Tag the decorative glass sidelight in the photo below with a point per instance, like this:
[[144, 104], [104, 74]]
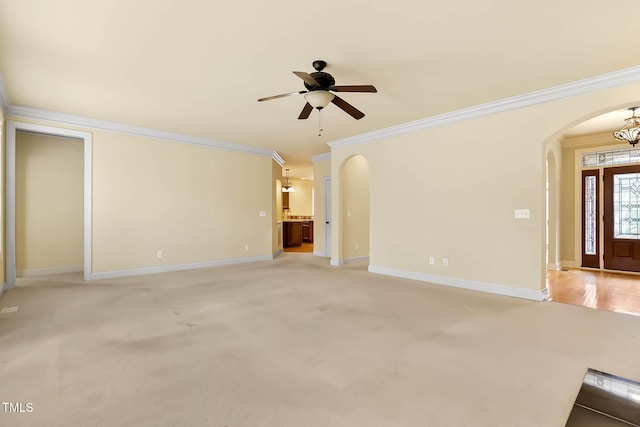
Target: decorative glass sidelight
[[626, 206], [590, 212]]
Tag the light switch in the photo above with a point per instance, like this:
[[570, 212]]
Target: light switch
[[522, 213], [263, 213]]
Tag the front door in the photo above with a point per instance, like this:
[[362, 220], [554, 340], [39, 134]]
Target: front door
[[622, 218]]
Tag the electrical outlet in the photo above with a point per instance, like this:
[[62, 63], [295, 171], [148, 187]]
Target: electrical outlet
[[158, 254], [246, 247], [432, 260], [445, 262], [356, 246], [263, 213], [522, 213]]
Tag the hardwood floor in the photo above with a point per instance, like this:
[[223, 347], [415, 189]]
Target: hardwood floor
[[602, 290], [306, 247]]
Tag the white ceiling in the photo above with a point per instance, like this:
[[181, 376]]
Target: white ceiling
[[198, 67]]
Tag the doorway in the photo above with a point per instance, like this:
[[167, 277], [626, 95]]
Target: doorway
[[13, 127]]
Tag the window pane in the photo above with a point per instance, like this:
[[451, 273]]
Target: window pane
[[626, 206], [590, 215]]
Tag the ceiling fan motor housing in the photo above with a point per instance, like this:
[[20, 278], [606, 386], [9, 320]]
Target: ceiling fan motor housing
[[325, 80]]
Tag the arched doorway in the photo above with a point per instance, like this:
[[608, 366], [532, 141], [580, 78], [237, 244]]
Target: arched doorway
[[580, 152], [353, 211]]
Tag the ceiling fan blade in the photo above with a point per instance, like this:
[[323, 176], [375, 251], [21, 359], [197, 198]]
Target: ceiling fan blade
[[354, 88], [348, 108], [307, 78], [282, 95], [305, 111]]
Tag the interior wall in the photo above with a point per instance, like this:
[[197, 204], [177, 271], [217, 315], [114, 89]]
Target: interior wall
[[440, 193], [554, 175], [3, 145], [276, 238], [49, 204], [194, 203], [355, 213], [300, 201], [321, 170]]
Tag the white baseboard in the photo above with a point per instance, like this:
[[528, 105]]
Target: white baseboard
[[554, 266], [570, 264], [530, 294], [177, 267], [35, 272], [3, 288], [277, 253], [336, 262], [356, 259], [319, 253]]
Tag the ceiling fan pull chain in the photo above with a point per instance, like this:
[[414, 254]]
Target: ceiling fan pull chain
[[320, 122]]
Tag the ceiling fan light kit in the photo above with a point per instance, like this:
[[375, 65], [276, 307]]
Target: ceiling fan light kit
[[630, 132], [319, 98], [318, 95]]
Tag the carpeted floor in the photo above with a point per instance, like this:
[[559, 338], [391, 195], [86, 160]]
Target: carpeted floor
[[295, 342]]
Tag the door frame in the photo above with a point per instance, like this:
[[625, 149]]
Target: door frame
[[327, 216], [13, 127]]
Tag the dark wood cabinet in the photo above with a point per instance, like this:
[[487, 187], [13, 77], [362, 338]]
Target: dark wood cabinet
[[292, 234], [285, 200], [307, 231]]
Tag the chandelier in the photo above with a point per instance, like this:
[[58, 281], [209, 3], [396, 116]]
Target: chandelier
[[288, 188], [630, 132]]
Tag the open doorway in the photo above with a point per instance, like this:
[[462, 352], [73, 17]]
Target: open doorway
[[49, 204], [14, 130], [354, 211], [587, 152]]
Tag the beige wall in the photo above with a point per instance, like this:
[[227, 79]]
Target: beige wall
[[49, 203], [3, 127], [354, 179], [300, 200], [276, 203], [451, 191], [321, 170], [194, 203]]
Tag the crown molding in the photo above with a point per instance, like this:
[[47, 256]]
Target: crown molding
[[17, 111], [578, 87], [601, 138], [321, 157], [276, 156]]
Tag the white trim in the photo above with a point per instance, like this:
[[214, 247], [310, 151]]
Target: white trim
[[177, 267], [554, 266], [321, 157], [473, 285], [277, 253], [336, 262], [36, 272], [276, 156], [545, 294], [319, 253], [17, 111], [578, 87], [12, 128], [3, 288], [355, 259]]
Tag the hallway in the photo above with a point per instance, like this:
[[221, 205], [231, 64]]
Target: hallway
[[602, 290]]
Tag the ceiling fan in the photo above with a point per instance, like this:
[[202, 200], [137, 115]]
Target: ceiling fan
[[320, 86]]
